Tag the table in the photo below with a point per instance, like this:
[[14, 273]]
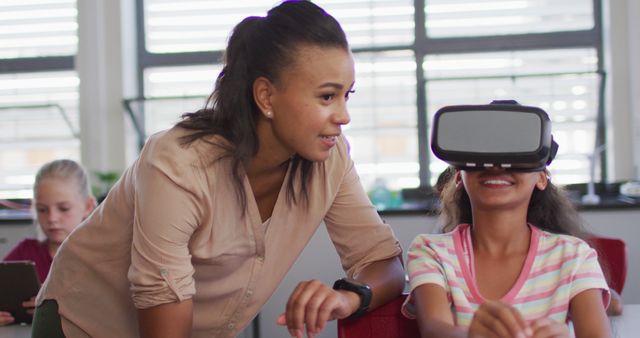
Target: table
[[15, 331], [627, 325]]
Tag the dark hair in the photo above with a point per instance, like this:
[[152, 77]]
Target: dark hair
[[444, 177], [259, 47], [549, 209]]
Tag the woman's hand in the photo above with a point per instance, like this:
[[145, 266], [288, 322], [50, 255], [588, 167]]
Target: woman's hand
[[549, 328], [312, 304], [30, 305], [495, 319], [6, 318]]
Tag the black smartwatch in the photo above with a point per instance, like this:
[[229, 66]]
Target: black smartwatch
[[361, 289]]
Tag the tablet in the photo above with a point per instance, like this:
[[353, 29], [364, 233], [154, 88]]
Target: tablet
[[18, 283]]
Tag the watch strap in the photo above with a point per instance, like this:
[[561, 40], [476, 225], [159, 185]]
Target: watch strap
[[361, 289]]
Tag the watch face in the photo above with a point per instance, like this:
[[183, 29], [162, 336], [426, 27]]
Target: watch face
[[360, 288]]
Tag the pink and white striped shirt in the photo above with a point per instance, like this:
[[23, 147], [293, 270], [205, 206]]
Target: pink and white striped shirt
[[557, 268]]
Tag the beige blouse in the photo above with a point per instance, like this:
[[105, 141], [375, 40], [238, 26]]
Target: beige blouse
[[172, 229]]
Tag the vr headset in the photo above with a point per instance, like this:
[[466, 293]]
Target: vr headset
[[502, 134]]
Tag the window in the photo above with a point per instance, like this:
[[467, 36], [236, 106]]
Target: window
[[563, 82], [445, 18], [38, 90], [169, 92], [541, 53], [383, 129]]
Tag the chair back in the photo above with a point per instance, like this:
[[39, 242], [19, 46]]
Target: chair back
[[383, 322], [612, 255]]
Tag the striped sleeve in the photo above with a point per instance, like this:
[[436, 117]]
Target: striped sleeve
[[588, 274], [424, 265]]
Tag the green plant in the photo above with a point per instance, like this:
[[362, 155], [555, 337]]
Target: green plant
[[104, 181]]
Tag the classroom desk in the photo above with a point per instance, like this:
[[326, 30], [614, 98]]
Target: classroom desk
[[15, 331], [627, 325]]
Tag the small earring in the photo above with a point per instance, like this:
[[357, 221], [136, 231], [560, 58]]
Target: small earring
[[269, 114]]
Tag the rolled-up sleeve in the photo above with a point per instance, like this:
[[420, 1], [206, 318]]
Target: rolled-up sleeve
[[356, 230], [167, 211]]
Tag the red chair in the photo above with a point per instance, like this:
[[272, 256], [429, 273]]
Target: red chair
[[612, 255], [383, 322]]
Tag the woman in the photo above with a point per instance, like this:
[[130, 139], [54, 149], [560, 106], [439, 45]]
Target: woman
[[198, 233]]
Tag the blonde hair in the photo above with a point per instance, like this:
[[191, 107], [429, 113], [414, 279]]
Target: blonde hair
[[67, 170]]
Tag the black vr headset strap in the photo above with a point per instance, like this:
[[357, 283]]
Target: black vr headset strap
[[553, 151]]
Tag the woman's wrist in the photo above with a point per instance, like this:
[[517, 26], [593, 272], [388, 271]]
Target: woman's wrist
[[359, 295], [351, 299]]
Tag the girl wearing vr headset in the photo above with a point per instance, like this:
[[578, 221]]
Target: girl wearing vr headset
[[509, 262]]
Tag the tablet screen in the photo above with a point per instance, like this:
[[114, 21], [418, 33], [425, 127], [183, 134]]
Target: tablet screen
[[18, 283]]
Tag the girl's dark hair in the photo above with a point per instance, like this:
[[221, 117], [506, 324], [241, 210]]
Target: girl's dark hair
[[259, 47], [549, 209]]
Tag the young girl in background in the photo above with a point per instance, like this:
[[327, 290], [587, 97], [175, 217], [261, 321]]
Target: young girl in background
[[61, 200], [508, 263]]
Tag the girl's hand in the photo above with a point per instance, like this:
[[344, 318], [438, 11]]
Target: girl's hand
[[549, 328], [6, 318], [30, 305], [312, 304], [495, 319], [615, 305]]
